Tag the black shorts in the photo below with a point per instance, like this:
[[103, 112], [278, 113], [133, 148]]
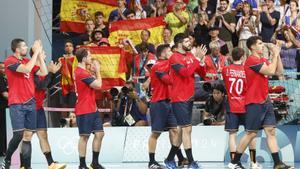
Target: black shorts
[[41, 119], [183, 112], [233, 121], [23, 116], [89, 123], [259, 116], [162, 117]]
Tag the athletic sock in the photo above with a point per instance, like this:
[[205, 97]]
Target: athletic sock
[[172, 153], [253, 155], [189, 155], [237, 158], [151, 157], [232, 154], [82, 162], [95, 157], [49, 158], [180, 155], [276, 158]]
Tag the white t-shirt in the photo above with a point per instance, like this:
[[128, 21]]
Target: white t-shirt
[[246, 33]]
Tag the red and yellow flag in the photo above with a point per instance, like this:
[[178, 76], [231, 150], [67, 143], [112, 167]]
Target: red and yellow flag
[[112, 65], [68, 66], [131, 29], [73, 13]]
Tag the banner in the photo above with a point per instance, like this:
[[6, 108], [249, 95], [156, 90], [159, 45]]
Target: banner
[[131, 29], [68, 66], [112, 65], [73, 13]]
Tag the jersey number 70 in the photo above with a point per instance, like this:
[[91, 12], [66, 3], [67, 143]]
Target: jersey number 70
[[237, 85]]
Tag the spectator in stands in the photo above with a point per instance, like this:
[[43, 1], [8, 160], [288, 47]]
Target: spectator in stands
[[226, 21], [269, 19], [177, 20], [204, 7], [118, 14], [99, 22], [140, 62], [214, 37], [201, 29], [86, 37], [167, 36], [215, 107], [96, 38], [158, 8], [246, 26], [140, 13], [68, 62], [145, 35], [214, 62], [132, 108], [3, 106], [130, 15], [288, 52], [292, 19], [238, 6]]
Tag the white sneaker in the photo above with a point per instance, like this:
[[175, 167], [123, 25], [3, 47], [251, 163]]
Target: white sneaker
[[235, 166], [255, 165]]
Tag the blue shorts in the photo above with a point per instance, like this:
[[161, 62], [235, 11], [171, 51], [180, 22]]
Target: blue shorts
[[259, 116], [183, 112], [41, 119], [89, 123], [23, 116], [162, 117], [233, 121]]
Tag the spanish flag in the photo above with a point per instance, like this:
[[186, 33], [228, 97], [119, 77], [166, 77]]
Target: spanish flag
[[73, 13], [68, 66], [112, 65], [131, 29]]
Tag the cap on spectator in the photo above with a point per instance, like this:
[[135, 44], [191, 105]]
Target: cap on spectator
[[97, 31], [104, 41], [151, 62]]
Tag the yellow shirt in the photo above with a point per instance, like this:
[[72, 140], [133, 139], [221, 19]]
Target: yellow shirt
[[175, 24]]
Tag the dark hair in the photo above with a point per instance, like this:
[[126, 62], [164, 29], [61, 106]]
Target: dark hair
[[252, 40], [219, 87], [168, 28], [98, 13], [146, 30], [225, 0], [68, 41], [144, 47], [81, 53], [237, 53], [130, 11], [160, 49], [15, 43], [251, 10], [94, 33], [179, 38]]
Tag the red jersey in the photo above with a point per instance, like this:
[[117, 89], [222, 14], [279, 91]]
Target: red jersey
[[183, 67], [213, 68], [235, 82], [160, 80], [40, 94], [21, 85], [257, 90], [140, 65], [41, 84], [86, 96]]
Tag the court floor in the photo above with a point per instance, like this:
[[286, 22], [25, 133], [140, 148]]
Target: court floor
[[204, 165]]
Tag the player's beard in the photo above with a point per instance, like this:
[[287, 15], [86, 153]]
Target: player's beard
[[187, 48]]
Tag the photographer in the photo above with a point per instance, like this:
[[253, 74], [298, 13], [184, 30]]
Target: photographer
[[214, 107], [131, 109]]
